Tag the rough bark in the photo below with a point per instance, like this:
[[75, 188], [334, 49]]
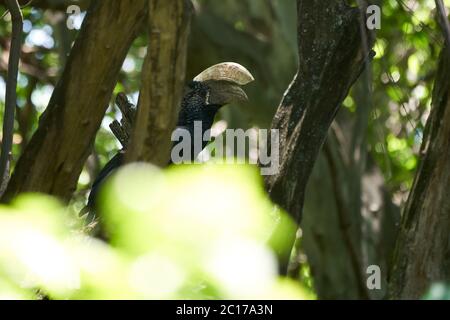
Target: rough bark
[[422, 253], [54, 158], [331, 57], [163, 78]]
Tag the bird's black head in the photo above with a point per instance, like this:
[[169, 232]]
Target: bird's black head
[[195, 106], [215, 87]]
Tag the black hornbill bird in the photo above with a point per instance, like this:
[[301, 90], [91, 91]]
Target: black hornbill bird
[[212, 89]]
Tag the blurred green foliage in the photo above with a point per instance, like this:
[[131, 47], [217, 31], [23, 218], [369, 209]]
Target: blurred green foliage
[[407, 49], [199, 232], [438, 291]]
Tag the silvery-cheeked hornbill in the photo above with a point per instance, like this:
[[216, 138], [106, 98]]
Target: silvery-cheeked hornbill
[[213, 88]]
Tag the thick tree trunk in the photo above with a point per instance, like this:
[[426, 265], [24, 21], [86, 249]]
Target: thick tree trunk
[[54, 158], [163, 78], [422, 254], [331, 57]]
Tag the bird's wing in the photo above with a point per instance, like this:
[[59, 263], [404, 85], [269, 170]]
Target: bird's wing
[[111, 166]]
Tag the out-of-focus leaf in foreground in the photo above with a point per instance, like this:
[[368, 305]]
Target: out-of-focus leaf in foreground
[[182, 233], [438, 291]]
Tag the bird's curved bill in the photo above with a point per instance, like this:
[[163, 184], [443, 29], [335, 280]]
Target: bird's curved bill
[[222, 93]]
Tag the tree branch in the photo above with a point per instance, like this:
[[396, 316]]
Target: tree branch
[[11, 94], [443, 21], [122, 130], [163, 77], [54, 158], [422, 252], [331, 57]]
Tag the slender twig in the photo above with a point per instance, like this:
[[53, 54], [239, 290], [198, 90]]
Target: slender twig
[[445, 25], [24, 6], [11, 94], [425, 27], [344, 225]]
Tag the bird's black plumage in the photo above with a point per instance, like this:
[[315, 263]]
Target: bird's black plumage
[[194, 107]]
